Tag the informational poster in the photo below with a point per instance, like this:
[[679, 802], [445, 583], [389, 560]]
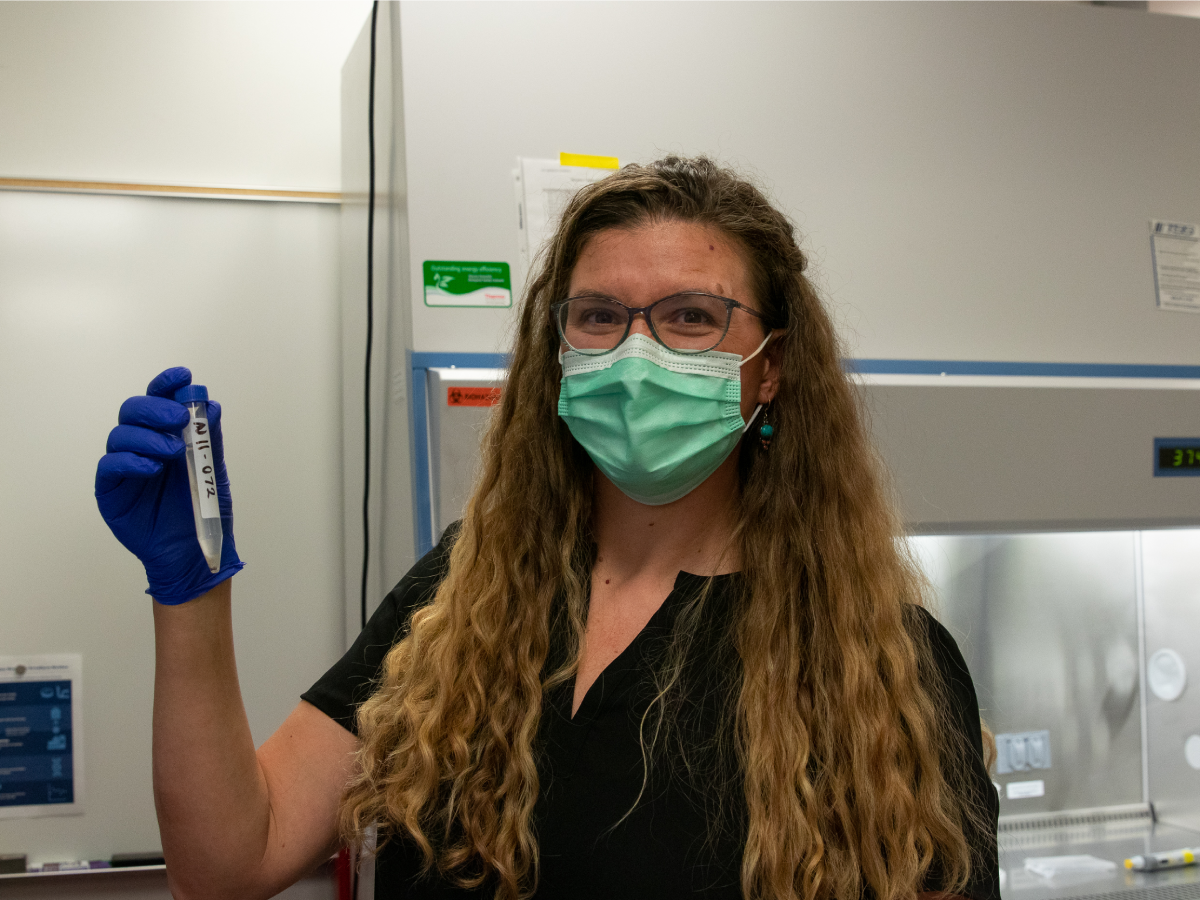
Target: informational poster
[[41, 747], [1175, 247], [544, 188], [457, 283]]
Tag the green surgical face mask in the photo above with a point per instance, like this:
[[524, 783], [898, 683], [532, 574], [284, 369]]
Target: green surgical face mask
[[657, 423]]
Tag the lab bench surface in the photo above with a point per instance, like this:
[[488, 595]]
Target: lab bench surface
[[1115, 842]]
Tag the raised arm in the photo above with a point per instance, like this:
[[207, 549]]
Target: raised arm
[[234, 822]]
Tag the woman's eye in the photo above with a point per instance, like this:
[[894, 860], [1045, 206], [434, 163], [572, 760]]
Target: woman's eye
[[692, 317], [599, 317]]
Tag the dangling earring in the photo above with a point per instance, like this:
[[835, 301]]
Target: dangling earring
[[765, 430]]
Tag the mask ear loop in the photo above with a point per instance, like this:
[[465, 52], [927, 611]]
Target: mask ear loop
[[757, 409], [758, 351], [753, 416]]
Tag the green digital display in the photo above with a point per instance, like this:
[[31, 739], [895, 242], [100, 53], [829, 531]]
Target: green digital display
[[1176, 456]]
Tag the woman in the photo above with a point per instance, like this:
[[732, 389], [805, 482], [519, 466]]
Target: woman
[[672, 650]]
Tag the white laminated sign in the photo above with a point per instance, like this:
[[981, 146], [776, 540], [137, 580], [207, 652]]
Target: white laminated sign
[[1175, 248], [41, 745], [544, 188]]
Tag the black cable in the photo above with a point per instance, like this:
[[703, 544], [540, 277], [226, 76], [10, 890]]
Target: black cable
[[370, 323]]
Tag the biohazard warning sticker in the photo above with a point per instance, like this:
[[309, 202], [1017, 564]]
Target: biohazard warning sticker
[[472, 396]]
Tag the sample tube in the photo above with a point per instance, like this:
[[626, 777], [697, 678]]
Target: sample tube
[[1172, 859], [202, 473]]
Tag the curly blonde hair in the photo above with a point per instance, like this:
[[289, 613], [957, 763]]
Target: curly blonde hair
[[851, 774]]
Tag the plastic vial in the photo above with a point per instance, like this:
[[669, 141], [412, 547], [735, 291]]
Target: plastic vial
[[202, 473]]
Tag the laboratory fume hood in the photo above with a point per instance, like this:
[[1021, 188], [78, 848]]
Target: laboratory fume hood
[[957, 207]]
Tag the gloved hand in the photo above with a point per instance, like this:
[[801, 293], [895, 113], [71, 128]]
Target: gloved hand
[[143, 494]]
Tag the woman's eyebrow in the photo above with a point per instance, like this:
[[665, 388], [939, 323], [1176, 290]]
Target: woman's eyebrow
[[589, 292], [719, 291]]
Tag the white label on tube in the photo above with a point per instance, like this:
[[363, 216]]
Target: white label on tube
[[1020, 790], [206, 473]]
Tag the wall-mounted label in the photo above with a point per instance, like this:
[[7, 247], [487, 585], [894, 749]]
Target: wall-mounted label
[[1023, 790], [1176, 456], [472, 396], [450, 283], [544, 187], [1175, 249]]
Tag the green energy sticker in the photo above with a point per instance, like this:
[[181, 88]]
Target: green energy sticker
[[467, 283]]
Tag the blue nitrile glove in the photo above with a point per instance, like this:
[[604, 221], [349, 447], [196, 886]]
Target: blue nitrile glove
[[142, 491]]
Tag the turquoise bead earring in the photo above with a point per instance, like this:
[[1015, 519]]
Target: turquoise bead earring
[[765, 430]]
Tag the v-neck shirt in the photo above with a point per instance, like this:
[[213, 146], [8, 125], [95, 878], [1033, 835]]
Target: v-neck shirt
[[609, 825]]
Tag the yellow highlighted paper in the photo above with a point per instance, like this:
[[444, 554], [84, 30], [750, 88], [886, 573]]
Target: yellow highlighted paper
[[588, 162]]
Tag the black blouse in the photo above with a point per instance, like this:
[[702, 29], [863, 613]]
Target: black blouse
[[607, 827]]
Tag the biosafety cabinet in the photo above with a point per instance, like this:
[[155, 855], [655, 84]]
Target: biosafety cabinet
[[978, 187]]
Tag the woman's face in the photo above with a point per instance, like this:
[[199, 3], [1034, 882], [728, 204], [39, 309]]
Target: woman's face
[[639, 265]]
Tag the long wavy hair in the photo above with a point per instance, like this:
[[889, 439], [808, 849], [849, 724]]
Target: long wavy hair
[[848, 767]]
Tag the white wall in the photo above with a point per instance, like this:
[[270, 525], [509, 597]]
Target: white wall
[[220, 93], [98, 293]]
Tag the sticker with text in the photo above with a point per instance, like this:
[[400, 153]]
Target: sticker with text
[[458, 283], [1175, 251], [206, 478], [472, 396], [1023, 790]]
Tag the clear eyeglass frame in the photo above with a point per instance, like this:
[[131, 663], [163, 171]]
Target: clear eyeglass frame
[[645, 311]]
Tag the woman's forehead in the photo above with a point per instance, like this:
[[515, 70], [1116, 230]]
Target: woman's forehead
[[640, 264]]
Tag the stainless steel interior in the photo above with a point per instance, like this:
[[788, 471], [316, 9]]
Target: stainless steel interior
[[1048, 625], [1171, 591], [1057, 630]]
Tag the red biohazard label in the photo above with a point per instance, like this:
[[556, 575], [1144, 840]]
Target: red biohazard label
[[472, 396]]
